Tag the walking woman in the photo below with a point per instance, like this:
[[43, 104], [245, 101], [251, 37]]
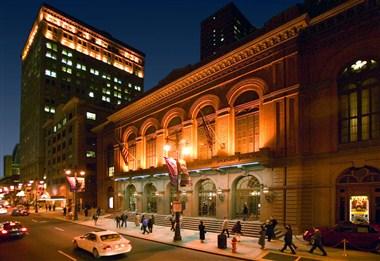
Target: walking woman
[[262, 237], [288, 240], [202, 231], [236, 229]]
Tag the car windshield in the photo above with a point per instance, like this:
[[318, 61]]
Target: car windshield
[[9, 226], [110, 237]]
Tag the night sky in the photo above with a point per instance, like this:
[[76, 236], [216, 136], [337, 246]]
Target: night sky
[[168, 32]]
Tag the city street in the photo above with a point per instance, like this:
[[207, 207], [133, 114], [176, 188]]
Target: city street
[[50, 239]]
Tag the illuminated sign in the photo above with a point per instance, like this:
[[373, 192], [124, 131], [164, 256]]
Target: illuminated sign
[[359, 209]]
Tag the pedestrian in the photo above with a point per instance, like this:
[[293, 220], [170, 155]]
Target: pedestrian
[[54, 207], [262, 237], [95, 218], [236, 229], [172, 221], [274, 223], [150, 224], [49, 207], [46, 207], [316, 241], [64, 211], [269, 229], [125, 219], [245, 211], [225, 227], [122, 219], [117, 219], [288, 240], [145, 225], [137, 219], [86, 211], [202, 231], [141, 221], [98, 211]]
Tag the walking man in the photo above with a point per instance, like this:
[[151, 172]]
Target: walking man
[[316, 241], [225, 226], [145, 225], [202, 231], [288, 240], [117, 219]]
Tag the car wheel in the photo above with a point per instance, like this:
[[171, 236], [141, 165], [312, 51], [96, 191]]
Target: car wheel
[[95, 253], [75, 244]]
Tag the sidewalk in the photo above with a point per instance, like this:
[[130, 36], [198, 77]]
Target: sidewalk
[[247, 248]]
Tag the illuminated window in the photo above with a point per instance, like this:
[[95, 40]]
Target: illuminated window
[[47, 109], [67, 53], [66, 69], [51, 55], [52, 110], [50, 73], [359, 102], [91, 94], [90, 154], [51, 46], [90, 116], [111, 171], [81, 67], [93, 71], [110, 202], [67, 61]]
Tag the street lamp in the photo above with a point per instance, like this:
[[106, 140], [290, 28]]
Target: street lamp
[[177, 206], [76, 186]]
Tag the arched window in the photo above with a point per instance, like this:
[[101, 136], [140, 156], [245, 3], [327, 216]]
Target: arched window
[[174, 136], [247, 194], [131, 197], [150, 136], [206, 132], [359, 102], [132, 152], [207, 198], [247, 122], [151, 198]]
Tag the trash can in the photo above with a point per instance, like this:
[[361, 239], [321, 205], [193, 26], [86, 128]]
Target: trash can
[[222, 241]]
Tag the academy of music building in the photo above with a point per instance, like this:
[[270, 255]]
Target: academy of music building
[[287, 122]]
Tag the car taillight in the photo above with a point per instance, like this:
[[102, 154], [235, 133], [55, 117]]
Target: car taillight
[[4, 232], [107, 248], [24, 229]]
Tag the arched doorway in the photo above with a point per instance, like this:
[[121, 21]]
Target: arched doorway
[[150, 198], [207, 198], [131, 197], [358, 195], [247, 192]]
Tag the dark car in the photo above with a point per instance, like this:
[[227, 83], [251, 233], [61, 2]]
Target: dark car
[[12, 229], [357, 236], [20, 212]]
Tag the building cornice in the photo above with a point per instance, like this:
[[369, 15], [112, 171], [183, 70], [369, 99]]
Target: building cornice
[[189, 82]]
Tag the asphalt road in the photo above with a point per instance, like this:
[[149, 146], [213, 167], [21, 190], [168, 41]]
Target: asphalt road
[[50, 239]]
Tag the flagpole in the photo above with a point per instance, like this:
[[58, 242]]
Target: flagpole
[[177, 230]]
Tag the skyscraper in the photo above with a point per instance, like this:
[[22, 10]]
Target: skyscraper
[[62, 58], [224, 27]]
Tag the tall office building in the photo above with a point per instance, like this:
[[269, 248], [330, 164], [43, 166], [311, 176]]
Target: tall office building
[[223, 28], [62, 58]]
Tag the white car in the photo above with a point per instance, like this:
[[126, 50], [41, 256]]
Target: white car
[[103, 243], [3, 210]]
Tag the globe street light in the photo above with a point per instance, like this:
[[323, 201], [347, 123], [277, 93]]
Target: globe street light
[[76, 187]]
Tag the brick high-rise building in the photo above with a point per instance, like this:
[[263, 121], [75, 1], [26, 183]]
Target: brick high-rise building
[[62, 58], [223, 28]]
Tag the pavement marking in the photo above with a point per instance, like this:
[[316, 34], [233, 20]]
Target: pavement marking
[[60, 229], [66, 255]]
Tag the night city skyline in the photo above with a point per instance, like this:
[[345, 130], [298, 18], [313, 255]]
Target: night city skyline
[[148, 26]]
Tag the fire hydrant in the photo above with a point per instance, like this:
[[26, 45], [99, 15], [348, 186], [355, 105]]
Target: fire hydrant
[[234, 244]]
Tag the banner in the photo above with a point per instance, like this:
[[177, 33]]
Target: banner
[[185, 177], [209, 134], [173, 170], [77, 184], [124, 152]]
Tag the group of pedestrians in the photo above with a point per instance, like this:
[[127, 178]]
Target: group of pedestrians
[[121, 221], [146, 223]]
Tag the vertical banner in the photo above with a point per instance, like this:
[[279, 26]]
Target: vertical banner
[[173, 170], [359, 209]]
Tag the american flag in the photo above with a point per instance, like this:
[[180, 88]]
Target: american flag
[[209, 133], [124, 152]]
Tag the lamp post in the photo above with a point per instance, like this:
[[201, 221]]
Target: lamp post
[[77, 185], [177, 206]]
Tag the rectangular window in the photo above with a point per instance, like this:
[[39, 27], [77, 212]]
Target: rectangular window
[[50, 73], [90, 154], [51, 55], [90, 116]]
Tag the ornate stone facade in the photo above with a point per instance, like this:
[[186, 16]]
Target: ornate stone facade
[[275, 129]]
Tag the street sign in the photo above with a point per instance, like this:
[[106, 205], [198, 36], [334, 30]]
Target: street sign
[[177, 206]]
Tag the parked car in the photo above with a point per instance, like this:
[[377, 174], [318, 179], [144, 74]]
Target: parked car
[[12, 229], [103, 243], [20, 212], [358, 236]]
